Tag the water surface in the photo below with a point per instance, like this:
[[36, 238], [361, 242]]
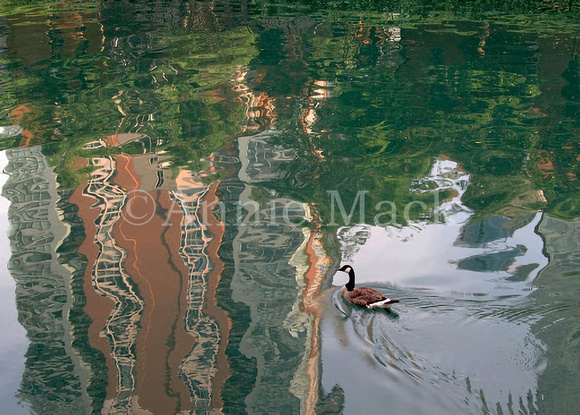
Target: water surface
[[173, 182]]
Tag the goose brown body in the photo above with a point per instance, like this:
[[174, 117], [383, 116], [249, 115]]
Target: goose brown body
[[363, 296]]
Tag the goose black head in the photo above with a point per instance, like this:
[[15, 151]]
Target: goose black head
[[350, 271]]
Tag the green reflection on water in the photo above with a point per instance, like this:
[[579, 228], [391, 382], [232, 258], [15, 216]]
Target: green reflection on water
[[273, 104], [500, 102]]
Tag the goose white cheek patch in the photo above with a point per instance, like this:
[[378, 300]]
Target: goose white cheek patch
[[340, 278]]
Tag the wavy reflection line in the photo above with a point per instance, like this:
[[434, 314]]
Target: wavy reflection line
[[259, 107], [135, 265], [110, 280], [212, 308], [312, 264], [320, 264], [199, 367]]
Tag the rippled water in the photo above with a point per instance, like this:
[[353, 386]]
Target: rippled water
[[181, 181]]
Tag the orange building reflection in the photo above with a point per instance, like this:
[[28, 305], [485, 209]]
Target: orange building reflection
[[149, 320]]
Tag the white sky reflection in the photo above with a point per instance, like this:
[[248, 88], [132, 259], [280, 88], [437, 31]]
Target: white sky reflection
[[460, 340]]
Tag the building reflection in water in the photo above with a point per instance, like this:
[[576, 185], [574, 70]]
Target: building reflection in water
[[271, 258], [162, 348], [108, 275], [54, 378], [172, 308], [152, 289], [185, 310]]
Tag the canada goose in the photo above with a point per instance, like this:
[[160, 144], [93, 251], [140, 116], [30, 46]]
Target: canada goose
[[363, 296]]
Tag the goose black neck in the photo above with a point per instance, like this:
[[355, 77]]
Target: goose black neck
[[350, 284]]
